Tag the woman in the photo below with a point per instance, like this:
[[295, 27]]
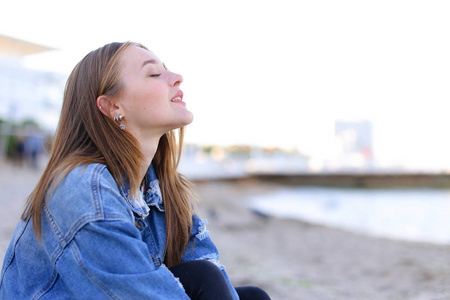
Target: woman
[[111, 218]]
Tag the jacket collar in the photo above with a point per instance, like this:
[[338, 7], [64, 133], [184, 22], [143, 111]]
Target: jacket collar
[[153, 196], [142, 203]]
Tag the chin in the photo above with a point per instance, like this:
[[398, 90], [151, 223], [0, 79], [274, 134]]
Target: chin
[[188, 118], [191, 119]]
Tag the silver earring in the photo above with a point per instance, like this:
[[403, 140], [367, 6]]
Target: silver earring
[[119, 119]]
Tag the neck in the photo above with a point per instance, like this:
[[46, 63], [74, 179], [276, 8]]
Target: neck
[[148, 149]]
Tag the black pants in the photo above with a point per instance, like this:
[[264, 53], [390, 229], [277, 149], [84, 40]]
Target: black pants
[[204, 280]]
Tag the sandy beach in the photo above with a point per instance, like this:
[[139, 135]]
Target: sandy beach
[[288, 258]]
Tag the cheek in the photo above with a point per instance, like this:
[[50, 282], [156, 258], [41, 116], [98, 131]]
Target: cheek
[[153, 92], [147, 97], [143, 100], [159, 93]]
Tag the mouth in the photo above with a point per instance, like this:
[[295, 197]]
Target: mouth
[[178, 97]]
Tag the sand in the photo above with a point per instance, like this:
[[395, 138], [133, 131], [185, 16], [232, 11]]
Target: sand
[[287, 258], [296, 260]]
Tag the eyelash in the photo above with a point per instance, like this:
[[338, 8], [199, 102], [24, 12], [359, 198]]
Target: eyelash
[[155, 75]]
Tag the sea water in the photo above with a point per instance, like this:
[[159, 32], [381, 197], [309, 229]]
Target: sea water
[[421, 215]]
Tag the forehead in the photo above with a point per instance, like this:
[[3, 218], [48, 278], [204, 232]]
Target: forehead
[[135, 57]]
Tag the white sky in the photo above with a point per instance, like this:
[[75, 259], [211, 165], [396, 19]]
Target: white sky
[[277, 72]]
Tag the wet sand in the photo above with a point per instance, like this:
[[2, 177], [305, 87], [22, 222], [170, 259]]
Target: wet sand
[[288, 258]]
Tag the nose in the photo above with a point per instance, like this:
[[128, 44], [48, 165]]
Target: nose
[[177, 79]]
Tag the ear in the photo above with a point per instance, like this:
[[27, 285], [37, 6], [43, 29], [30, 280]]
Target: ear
[[106, 105]]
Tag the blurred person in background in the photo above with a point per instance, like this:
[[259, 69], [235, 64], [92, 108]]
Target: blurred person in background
[[33, 146], [111, 218]]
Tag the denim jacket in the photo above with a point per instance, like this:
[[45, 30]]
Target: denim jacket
[[99, 244]]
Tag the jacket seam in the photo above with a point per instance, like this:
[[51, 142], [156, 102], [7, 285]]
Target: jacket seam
[[65, 239], [58, 251], [106, 290], [55, 228], [9, 259], [76, 227], [96, 188], [48, 286]]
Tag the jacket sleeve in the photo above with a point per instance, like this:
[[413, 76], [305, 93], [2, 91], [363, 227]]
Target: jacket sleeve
[[201, 247], [107, 260]]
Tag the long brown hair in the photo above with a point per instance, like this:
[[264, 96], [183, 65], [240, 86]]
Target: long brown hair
[[84, 135]]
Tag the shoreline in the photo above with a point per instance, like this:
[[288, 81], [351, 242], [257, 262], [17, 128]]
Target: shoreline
[[290, 259], [405, 214]]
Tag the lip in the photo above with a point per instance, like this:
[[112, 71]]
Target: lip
[[179, 94]]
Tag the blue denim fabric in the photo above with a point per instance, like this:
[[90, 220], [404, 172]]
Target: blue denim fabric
[[98, 244]]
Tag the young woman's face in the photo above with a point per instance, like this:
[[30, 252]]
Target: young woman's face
[[151, 101]]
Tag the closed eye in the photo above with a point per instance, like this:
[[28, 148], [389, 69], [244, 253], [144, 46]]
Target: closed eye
[[155, 75]]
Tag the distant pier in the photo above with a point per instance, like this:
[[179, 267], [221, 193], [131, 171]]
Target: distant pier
[[367, 180], [351, 180]]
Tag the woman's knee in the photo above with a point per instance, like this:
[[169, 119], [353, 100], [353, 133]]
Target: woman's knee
[[251, 293], [197, 269], [202, 280]]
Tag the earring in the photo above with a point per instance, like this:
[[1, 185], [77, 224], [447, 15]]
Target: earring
[[119, 119]]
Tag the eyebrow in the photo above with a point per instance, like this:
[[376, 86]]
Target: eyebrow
[[150, 61]]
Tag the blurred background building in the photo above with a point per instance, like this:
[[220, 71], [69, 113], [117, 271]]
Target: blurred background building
[[354, 144], [30, 99]]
